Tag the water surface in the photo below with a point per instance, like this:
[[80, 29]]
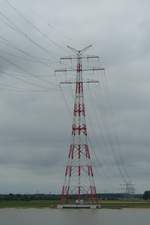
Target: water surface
[[74, 217]]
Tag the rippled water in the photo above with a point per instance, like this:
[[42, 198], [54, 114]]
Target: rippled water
[[74, 217]]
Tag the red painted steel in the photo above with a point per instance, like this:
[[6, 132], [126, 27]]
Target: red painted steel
[[79, 177]]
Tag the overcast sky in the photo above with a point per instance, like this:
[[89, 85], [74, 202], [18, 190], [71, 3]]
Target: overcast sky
[[35, 114]]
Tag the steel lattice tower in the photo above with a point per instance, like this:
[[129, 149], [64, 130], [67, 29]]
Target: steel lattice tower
[[79, 176]]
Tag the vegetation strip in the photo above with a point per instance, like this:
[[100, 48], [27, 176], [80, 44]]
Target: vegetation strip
[[53, 204]]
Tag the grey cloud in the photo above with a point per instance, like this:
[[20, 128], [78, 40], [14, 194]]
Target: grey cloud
[[35, 126]]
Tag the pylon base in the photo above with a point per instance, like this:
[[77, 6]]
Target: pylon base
[[78, 206]]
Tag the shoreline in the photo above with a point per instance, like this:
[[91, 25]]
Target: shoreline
[[105, 204]]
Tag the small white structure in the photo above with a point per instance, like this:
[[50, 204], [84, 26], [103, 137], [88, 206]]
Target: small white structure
[[81, 201]]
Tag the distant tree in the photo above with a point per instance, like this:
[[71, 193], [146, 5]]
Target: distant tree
[[146, 195]]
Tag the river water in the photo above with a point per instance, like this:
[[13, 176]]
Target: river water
[[74, 217]]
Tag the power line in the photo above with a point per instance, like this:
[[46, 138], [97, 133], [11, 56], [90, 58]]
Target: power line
[[20, 68], [105, 140], [116, 156], [19, 73], [6, 87], [50, 25], [100, 164], [108, 138], [7, 43], [34, 26], [24, 59], [115, 135], [25, 35], [14, 76]]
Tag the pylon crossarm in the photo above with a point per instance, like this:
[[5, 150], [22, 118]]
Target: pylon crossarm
[[86, 82], [86, 48], [79, 51], [72, 49], [79, 57], [92, 57], [83, 70], [64, 70], [93, 69]]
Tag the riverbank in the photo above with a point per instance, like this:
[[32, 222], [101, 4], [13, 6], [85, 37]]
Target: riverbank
[[53, 204], [125, 204]]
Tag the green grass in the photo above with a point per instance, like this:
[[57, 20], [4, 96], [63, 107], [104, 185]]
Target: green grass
[[27, 204], [125, 204], [53, 204]]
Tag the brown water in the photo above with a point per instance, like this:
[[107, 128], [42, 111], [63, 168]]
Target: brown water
[[74, 217]]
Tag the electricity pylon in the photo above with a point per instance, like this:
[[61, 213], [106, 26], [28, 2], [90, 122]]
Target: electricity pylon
[[79, 176]]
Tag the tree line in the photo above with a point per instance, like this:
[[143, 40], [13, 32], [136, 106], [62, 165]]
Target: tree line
[[104, 196], [146, 195]]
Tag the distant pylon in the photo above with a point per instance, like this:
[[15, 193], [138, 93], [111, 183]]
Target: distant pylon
[[79, 176], [128, 188]]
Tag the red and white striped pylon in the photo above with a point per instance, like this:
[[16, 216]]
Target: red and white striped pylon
[[79, 176]]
